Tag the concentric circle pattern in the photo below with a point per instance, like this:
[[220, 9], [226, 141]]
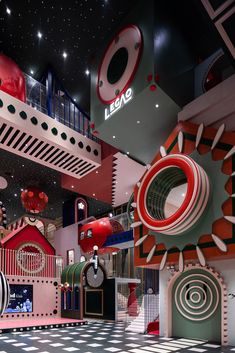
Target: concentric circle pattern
[[196, 297], [165, 174], [119, 64]]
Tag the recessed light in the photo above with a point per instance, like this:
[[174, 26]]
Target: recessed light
[[39, 35], [97, 172], [64, 55], [93, 194], [87, 72], [72, 186], [114, 137], [22, 165], [138, 122], [15, 195], [157, 105]]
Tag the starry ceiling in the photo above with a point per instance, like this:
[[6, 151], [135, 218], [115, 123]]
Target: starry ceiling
[[64, 34], [20, 173]]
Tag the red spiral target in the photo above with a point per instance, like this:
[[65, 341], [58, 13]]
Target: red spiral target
[[195, 200]]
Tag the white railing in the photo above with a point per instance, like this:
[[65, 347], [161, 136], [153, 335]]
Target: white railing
[[20, 263]]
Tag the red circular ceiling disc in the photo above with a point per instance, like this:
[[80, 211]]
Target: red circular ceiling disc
[[129, 40]]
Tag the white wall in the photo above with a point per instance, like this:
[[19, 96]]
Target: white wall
[[66, 239], [226, 268]]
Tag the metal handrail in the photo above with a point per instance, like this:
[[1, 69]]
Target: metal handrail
[[21, 263], [64, 109]]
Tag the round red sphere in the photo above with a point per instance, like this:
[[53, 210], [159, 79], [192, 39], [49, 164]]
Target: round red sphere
[[12, 79], [34, 200], [152, 88]]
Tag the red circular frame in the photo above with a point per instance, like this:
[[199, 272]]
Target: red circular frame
[[169, 162], [109, 101]]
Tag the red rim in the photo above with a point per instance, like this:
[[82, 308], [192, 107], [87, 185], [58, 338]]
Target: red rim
[[143, 212], [133, 71]]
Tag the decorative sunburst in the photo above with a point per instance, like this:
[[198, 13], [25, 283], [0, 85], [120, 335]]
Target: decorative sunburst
[[203, 200]]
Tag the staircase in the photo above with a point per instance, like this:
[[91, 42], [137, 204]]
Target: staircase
[[149, 311]]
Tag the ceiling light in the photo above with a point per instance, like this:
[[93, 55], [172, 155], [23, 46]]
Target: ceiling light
[[39, 35], [87, 72], [15, 195], [74, 99], [8, 11], [97, 172], [32, 72], [114, 137], [54, 182], [64, 55], [3, 183], [21, 189], [93, 194], [72, 186], [138, 122], [128, 153], [22, 165], [157, 105]]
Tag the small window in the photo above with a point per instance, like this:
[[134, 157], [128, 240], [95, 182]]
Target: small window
[[70, 257], [89, 233], [82, 235]]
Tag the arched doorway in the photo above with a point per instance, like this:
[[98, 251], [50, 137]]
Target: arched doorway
[[196, 305]]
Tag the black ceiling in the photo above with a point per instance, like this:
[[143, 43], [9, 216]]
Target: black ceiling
[[21, 173], [81, 28], [77, 27]]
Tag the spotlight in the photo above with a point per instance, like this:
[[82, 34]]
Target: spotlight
[[64, 55], [87, 72], [8, 11], [39, 34]]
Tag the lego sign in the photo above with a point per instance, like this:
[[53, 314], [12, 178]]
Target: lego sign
[[118, 103]]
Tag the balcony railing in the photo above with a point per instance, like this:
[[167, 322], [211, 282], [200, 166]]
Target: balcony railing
[[20, 263], [62, 107]]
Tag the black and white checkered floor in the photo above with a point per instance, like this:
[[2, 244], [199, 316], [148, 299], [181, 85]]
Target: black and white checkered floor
[[100, 337]]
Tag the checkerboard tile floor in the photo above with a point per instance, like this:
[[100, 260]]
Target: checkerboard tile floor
[[97, 337]]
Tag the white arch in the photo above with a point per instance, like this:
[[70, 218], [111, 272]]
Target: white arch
[[168, 300]]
